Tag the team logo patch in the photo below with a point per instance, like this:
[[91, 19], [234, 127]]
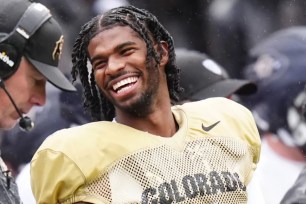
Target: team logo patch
[[57, 52]]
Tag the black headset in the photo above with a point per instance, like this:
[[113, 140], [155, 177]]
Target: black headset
[[12, 44]]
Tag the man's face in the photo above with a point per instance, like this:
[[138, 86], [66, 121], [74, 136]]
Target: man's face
[[118, 57], [27, 88]]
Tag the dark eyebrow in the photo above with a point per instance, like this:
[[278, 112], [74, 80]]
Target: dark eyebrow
[[116, 49], [119, 47]]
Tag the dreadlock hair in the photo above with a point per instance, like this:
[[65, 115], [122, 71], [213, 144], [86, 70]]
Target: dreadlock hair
[[147, 26]]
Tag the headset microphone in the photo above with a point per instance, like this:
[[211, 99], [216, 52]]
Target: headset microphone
[[25, 123]]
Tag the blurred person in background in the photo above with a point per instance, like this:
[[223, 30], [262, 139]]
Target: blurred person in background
[[202, 77], [277, 66], [235, 26], [297, 193]]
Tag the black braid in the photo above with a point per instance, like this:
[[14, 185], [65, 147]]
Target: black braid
[[143, 23], [79, 60]]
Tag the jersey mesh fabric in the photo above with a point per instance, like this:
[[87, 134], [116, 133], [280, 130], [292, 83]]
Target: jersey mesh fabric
[[106, 162], [210, 170]]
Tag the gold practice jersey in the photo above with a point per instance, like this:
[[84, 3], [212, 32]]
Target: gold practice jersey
[[210, 159]]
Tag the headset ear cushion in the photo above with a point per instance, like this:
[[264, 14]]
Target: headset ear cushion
[[9, 60]]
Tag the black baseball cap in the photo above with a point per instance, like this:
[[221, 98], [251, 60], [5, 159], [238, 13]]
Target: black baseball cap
[[43, 48], [202, 77]]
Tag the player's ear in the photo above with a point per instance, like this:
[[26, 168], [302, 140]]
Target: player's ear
[[164, 53]]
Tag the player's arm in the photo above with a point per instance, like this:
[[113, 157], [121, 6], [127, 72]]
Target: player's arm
[[54, 176]]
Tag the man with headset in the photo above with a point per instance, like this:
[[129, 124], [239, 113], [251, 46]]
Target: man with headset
[[30, 47]]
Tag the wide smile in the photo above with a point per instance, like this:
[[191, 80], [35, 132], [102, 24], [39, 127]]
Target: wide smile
[[125, 84]]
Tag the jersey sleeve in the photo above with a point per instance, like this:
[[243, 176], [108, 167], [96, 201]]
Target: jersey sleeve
[[251, 134], [53, 176]]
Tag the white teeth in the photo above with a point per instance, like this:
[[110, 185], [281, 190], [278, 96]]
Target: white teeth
[[124, 88], [124, 82]]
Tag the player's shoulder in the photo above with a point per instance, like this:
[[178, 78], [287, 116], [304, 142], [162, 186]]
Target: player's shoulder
[[215, 104], [79, 135], [215, 108], [95, 134]]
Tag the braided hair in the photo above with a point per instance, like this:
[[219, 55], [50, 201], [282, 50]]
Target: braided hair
[[147, 26]]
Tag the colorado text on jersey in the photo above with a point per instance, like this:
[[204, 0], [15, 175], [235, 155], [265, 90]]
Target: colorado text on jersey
[[196, 185]]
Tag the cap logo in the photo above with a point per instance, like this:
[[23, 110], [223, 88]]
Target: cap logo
[[57, 52], [6, 59]]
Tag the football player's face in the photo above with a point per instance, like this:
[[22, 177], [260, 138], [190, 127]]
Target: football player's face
[[118, 57]]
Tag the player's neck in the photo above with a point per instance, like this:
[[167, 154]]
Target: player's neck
[[160, 122]]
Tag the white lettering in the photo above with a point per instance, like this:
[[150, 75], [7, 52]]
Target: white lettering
[[6, 59]]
